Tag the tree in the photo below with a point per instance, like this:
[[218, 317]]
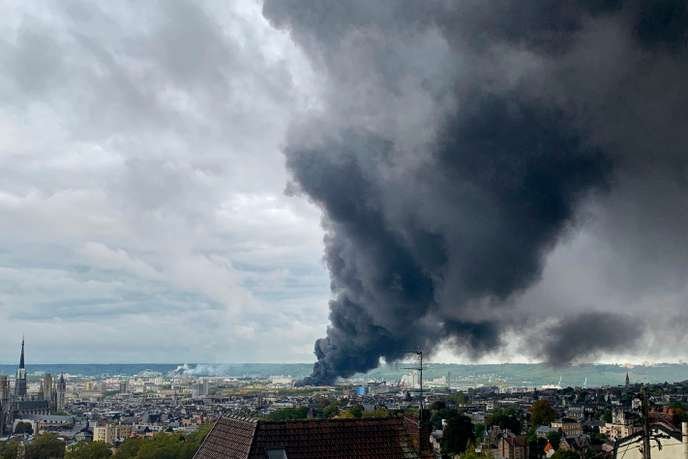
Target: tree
[[376, 413], [286, 414], [597, 438], [129, 449], [438, 405], [457, 434], [542, 413], [45, 446], [506, 418], [459, 398], [9, 449], [356, 411], [565, 454], [163, 446], [479, 430], [331, 410], [443, 413], [607, 416], [89, 450], [536, 448], [474, 455]]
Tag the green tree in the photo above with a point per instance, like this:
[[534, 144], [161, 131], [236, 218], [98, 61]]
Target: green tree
[[356, 411], [459, 398], [471, 454], [479, 430], [286, 414], [607, 416], [438, 405], [331, 410], [443, 413], [129, 449], [536, 448], [597, 438], [163, 446], [542, 413], [506, 418], [376, 413], [89, 450], [45, 446], [8, 450], [457, 434], [565, 454]]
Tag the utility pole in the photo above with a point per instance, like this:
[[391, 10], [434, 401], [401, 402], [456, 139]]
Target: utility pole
[[420, 353], [646, 424], [419, 369]]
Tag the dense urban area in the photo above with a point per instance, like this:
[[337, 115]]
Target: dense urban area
[[156, 415]]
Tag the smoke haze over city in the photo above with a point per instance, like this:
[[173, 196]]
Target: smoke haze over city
[[236, 181]]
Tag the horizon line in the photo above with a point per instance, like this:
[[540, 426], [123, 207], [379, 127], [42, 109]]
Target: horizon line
[[621, 364]]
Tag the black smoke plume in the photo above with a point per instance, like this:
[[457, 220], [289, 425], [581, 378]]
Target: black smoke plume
[[589, 333], [455, 147]]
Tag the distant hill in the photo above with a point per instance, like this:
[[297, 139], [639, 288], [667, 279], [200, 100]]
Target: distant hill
[[503, 375]]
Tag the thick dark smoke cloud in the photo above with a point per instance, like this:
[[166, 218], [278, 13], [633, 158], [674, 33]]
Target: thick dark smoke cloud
[[587, 334], [455, 147]]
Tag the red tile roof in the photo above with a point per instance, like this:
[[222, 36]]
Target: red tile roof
[[379, 438]]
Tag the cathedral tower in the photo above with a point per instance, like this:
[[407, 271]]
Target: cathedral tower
[[60, 393], [20, 381]]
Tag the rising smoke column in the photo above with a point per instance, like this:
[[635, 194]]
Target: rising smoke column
[[457, 142]]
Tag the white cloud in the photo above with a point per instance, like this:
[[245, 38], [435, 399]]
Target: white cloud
[[141, 187]]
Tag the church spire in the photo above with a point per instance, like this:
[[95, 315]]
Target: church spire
[[628, 380], [20, 380], [21, 357]]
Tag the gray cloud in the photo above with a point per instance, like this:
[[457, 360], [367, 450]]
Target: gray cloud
[[141, 187]]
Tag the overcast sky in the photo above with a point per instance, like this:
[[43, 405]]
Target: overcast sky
[[142, 206], [143, 210]]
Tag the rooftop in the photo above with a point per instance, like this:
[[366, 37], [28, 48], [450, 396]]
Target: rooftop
[[239, 438]]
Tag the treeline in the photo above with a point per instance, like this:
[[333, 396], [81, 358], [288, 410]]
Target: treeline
[[164, 445], [326, 409]]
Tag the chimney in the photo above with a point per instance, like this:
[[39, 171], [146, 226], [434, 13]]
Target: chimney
[[684, 438]]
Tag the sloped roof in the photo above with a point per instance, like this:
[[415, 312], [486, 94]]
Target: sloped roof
[[380, 438], [230, 438]]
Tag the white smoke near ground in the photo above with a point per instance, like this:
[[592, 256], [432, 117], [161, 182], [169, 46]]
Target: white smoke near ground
[[201, 369]]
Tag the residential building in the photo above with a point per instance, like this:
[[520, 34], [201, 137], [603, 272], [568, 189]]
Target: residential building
[[513, 447], [569, 427], [112, 433], [379, 438], [623, 425]]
